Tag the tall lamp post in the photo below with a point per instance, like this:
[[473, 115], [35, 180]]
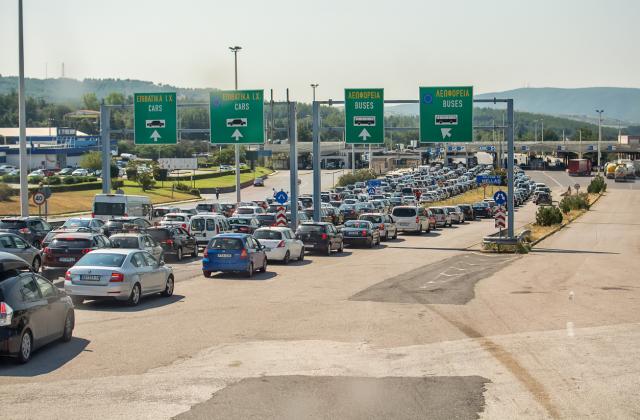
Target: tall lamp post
[[314, 86], [22, 121], [235, 62], [599, 111]]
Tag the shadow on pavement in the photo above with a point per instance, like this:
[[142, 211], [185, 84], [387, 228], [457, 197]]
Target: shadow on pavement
[[112, 305], [571, 251], [46, 359], [433, 248], [240, 276]]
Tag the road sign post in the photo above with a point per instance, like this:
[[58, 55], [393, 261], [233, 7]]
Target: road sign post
[[364, 116], [446, 114], [155, 118]]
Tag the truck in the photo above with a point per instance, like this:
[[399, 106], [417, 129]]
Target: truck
[[624, 172], [579, 167], [610, 170]]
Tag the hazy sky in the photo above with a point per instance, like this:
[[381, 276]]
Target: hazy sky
[[399, 45]]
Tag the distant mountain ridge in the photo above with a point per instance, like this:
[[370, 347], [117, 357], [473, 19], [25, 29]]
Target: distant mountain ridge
[[578, 103]]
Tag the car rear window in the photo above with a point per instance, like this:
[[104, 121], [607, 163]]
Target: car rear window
[[239, 221], [357, 224], [245, 211], [174, 218], [125, 242], [158, 234], [268, 234], [73, 223], [435, 210], [311, 228], [197, 224], [404, 212], [70, 243], [204, 207], [372, 218], [12, 224], [226, 243], [111, 209], [101, 260]]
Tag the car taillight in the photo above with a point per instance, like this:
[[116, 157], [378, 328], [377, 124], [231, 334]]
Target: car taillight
[[364, 232], [281, 244], [24, 230], [126, 215], [184, 226], [324, 236], [169, 242], [67, 275], [6, 314], [47, 250], [243, 254], [116, 277], [206, 252], [417, 219], [93, 215], [86, 250], [382, 226]]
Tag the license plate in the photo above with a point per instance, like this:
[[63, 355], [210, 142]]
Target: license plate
[[224, 255], [352, 233], [65, 259], [89, 277], [403, 224]]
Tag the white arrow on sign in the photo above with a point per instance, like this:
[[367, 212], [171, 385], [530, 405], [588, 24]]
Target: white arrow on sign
[[155, 136], [236, 135], [364, 134], [446, 132]]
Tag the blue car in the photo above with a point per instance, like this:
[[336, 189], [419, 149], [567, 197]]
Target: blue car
[[234, 252]]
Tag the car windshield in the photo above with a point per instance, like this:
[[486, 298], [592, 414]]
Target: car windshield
[[73, 223], [125, 242], [101, 260], [267, 234], [357, 224], [12, 224], [239, 221], [226, 243], [404, 212]]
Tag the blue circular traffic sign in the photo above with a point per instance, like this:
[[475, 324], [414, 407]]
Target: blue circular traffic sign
[[371, 191], [500, 197], [281, 197]]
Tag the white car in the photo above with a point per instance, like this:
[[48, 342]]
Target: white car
[[37, 172], [247, 211], [280, 244], [80, 172], [176, 219]]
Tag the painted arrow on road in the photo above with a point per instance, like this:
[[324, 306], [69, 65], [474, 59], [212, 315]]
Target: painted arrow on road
[[364, 134], [236, 135], [155, 135], [446, 132]]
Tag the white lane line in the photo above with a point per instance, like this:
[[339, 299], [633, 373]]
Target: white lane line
[[553, 179], [570, 331]]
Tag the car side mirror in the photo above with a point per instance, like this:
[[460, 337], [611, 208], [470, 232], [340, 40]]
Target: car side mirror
[[161, 263]]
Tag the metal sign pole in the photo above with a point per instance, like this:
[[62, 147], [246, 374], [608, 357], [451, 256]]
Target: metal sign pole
[[293, 164], [105, 138], [317, 173], [510, 159]]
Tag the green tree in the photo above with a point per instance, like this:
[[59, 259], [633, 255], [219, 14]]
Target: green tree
[[91, 161], [115, 98], [90, 101]]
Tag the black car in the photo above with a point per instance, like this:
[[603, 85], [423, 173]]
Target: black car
[[65, 249], [33, 312], [32, 229], [125, 224], [267, 219], [482, 209], [174, 241], [244, 224], [320, 236], [361, 232], [467, 209]]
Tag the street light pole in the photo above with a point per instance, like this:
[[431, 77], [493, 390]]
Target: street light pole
[[599, 111], [22, 121], [314, 86], [235, 61]]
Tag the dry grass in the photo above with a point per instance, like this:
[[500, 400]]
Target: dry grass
[[468, 197]]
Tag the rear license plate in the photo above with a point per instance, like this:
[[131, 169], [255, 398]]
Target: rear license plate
[[90, 278], [224, 255], [352, 233], [65, 259], [403, 224]]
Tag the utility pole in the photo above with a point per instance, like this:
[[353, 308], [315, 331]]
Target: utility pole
[[22, 120], [599, 111], [314, 86], [535, 131], [235, 61], [542, 131]]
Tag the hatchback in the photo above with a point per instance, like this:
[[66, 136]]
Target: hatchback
[[234, 252]]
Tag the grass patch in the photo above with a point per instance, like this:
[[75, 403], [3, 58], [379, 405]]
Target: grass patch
[[468, 197], [228, 180]]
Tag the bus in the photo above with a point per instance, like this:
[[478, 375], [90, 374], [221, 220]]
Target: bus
[[110, 206]]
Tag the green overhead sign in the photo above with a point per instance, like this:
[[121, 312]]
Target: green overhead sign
[[364, 116], [446, 114], [154, 118], [237, 117]]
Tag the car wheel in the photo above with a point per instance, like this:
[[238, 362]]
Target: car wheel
[[287, 258], [26, 346], [134, 297], [341, 249], [249, 272], [168, 289], [36, 244], [264, 266], [329, 249], [419, 230], [67, 333], [371, 243], [301, 257], [207, 274], [36, 264], [77, 300], [194, 254], [179, 254]]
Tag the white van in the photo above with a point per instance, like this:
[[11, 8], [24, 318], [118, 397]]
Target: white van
[[110, 206], [205, 226]]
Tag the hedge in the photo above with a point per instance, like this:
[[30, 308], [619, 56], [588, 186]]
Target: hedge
[[206, 176]]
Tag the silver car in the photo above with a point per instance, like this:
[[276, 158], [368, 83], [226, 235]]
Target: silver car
[[14, 244], [138, 241], [456, 213], [123, 274]]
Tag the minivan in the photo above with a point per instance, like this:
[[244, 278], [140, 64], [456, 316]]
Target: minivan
[[206, 226], [411, 219], [110, 206]]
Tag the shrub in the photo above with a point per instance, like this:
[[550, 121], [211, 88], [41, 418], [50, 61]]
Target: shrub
[[597, 185], [117, 183], [53, 180], [67, 180], [11, 179], [34, 179], [548, 215], [574, 202], [132, 173], [160, 174], [361, 175], [195, 191], [181, 187], [91, 179], [146, 181], [5, 192]]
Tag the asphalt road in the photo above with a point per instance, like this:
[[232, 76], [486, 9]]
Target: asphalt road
[[422, 327]]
